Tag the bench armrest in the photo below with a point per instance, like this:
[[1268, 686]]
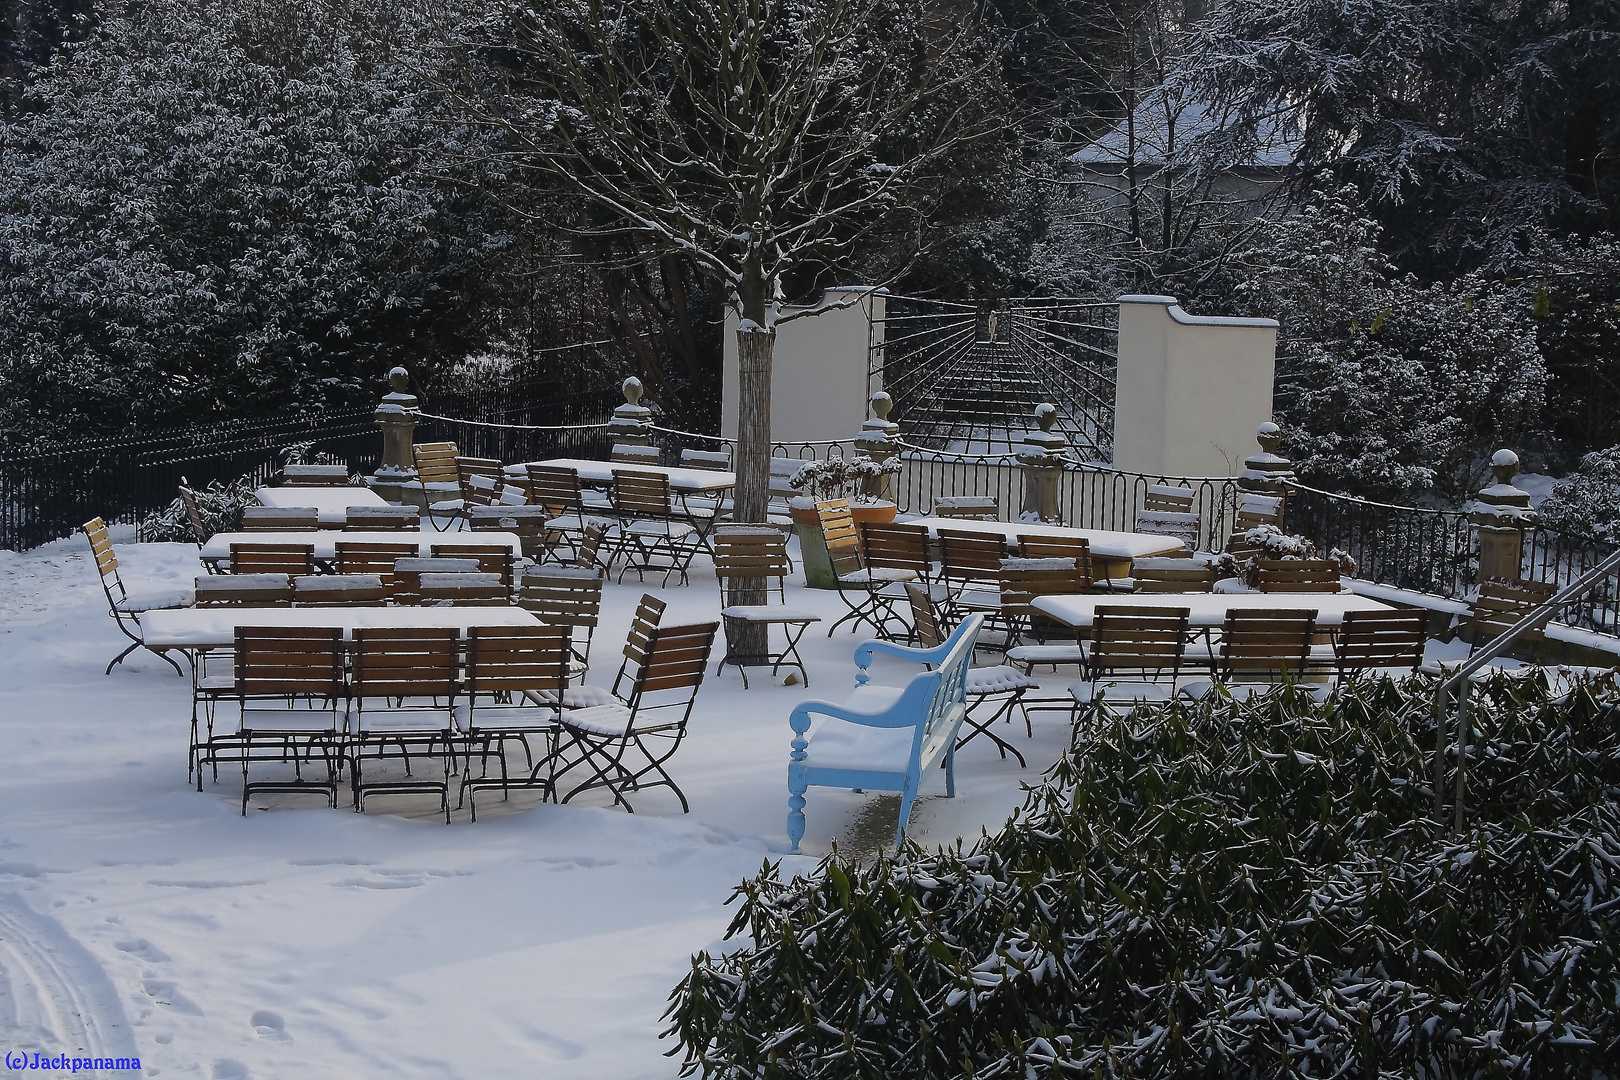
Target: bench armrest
[[888, 717], [865, 651]]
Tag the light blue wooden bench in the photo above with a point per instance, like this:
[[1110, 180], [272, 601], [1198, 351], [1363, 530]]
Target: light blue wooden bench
[[884, 738]]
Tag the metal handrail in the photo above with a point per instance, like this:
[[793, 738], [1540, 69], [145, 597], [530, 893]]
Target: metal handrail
[[1535, 619]]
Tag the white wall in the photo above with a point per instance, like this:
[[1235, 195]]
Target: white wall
[[819, 372], [1191, 389]]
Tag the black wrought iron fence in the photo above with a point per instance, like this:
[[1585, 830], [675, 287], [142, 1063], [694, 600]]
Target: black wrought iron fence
[[1429, 551], [1560, 557], [516, 426], [47, 492], [1437, 551]]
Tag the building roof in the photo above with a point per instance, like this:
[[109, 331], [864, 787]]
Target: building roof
[[1160, 117]]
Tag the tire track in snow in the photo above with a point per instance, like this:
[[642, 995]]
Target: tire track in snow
[[54, 995]]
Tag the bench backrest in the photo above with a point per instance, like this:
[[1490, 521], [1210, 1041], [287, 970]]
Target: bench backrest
[[1168, 498], [933, 701], [1299, 575], [941, 694]]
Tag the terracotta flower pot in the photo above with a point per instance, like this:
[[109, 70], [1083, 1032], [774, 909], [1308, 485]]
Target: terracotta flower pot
[[802, 510], [878, 513]]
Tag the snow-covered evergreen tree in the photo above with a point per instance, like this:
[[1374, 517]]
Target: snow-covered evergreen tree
[[225, 206], [1387, 387]]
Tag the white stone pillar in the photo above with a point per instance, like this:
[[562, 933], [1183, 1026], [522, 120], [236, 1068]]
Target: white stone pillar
[[820, 369], [1190, 388]]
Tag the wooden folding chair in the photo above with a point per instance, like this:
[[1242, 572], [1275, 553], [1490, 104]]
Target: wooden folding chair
[[1299, 575], [244, 590], [462, 590], [632, 454], [875, 585], [515, 680], [1500, 604], [1146, 642], [371, 557], [968, 507], [404, 691], [650, 535], [492, 558], [194, 515], [125, 607], [1172, 576], [1167, 510], [480, 480], [1264, 643], [530, 523], [1374, 640], [1039, 546], [339, 590], [280, 519], [1024, 579], [711, 460], [1254, 510], [1168, 499], [1003, 685], [626, 744], [440, 479], [407, 586], [572, 507], [293, 707], [745, 555], [970, 568], [569, 597], [1176, 524], [267, 558]]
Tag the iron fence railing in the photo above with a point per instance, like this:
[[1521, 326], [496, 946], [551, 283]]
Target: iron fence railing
[[1437, 551], [511, 425], [1427, 551], [47, 492], [1562, 558]]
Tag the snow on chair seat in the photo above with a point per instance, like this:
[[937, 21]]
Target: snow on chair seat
[[857, 744]]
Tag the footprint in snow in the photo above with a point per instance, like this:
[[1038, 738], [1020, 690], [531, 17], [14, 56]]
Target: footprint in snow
[[143, 949], [268, 1025]]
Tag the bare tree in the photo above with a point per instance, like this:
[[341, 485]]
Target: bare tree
[[757, 139]]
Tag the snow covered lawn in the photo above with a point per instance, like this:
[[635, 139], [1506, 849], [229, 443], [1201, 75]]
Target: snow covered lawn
[[138, 917]]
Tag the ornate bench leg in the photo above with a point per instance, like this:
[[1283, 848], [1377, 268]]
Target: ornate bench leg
[[798, 781]]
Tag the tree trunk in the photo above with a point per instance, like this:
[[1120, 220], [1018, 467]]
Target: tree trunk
[[754, 347]]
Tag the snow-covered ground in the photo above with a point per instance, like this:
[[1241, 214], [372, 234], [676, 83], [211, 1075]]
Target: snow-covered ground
[[138, 916]]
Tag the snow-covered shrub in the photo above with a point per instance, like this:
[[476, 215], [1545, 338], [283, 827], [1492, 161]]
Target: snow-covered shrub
[[1209, 889], [835, 478], [1272, 543], [1587, 501], [219, 505]]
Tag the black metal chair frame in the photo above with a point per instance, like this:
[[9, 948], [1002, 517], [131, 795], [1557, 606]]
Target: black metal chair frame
[[664, 681]]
